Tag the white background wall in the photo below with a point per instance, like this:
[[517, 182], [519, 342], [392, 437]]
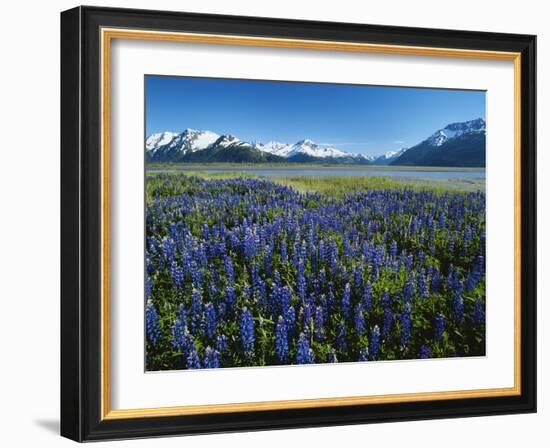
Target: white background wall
[[29, 222]]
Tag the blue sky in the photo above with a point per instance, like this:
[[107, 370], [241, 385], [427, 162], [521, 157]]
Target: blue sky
[[356, 118]]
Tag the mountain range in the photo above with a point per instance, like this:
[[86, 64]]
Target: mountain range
[[458, 144]]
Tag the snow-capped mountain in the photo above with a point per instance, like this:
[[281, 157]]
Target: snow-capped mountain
[[306, 149], [275, 148], [457, 144], [229, 140], [389, 157], [159, 139], [455, 130], [312, 149], [171, 146]]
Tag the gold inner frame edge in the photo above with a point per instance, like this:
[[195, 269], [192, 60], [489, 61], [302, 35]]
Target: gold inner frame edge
[[107, 35]]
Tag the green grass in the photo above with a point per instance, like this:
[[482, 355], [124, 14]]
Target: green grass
[[339, 185]]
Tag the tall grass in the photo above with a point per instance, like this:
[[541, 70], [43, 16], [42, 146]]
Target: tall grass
[[338, 186]]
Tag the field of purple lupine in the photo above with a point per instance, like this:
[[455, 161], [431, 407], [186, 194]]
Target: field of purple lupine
[[251, 272]]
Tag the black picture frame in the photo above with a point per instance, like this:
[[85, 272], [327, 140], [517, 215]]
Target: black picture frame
[[81, 224]]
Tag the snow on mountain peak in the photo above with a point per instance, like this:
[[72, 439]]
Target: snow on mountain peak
[[190, 140], [276, 148], [159, 139], [195, 140], [454, 130], [390, 156], [310, 148], [305, 146], [227, 140], [163, 144]]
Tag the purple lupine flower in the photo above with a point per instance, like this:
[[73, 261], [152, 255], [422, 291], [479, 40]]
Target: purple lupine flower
[[322, 276], [471, 282], [321, 251], [374, 342], [301, 280], [393, 249], [247, 331], [179, 329], [406, 325], [296, 251], [346, 302], [385, 299], [439, 327], [277, 279], [409, 262], [284, 298], [147, 287], [359, 320], [177, 275], [210, 360], [221, 344], [367, 297], [196, 312], [387, 321], [274, 304], [408, 290], [260, 293], [193, 360], [196, 275], [451, 277], [458, 305], [222, 310], [480, 264], [347, 248], [283, 251], [281, 341], [267, 259], [318, 323], [303, 252], [306, 316], [178, 336], [425, 352], [152, 324], [382, 224], [303, 353], [363, 355], [423, 290], [210, 320], [230, 297], [169, 250], [478, 313], [229, 272], [290, 320], [441, 220], [249, 244], [331, 299], [341, 338]]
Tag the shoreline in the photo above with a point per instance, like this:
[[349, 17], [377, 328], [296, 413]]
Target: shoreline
[[161, 166]]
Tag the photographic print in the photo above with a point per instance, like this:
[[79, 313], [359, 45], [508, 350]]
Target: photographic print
[[294, 223], [253, 201]]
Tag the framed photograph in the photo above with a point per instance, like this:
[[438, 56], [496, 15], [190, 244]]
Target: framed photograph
[[275, 224]]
